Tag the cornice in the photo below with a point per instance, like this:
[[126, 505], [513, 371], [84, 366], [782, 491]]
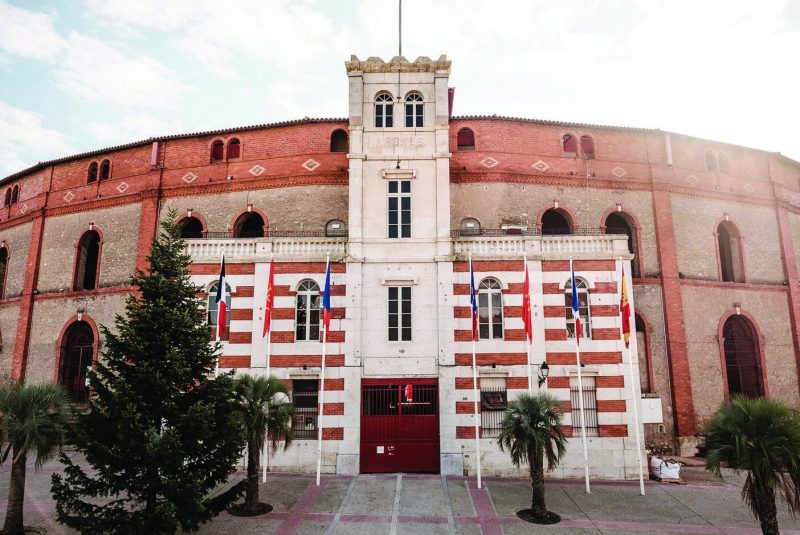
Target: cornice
[[398, 64]]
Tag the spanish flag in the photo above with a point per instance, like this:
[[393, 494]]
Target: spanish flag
[[270, 301], [625, 311]]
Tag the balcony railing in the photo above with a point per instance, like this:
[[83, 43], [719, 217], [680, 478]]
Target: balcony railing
[[255, 249], [586, 243], [227, 235]]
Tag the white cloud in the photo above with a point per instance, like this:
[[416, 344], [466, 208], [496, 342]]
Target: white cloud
[[28, 34], [130, 128], [96, 72], [24, 140]]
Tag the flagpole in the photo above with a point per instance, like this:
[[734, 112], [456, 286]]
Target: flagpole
[[634, 407], [475, 394], [580, 392], [217, 337], [322, 387], [529, 321]]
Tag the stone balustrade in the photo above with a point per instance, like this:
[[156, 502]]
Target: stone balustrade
[[263, 249]]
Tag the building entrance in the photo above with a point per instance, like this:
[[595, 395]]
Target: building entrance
[[399, 425]]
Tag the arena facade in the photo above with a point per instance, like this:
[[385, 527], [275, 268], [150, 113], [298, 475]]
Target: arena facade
[[399, 194]]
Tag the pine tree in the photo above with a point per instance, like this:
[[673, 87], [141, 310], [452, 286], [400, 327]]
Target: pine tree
[[160, 432]]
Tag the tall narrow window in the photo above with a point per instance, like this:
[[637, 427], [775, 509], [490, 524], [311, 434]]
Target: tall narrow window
[[399, 208], [339, 142], [490, 309], [414, 111], [249, 225], [105, 169], [589, 405], [554, 222], [383, 111], [87, 267], [217, 151], [8, 197], [724, 166], [711, 161], [741, 358], [587, 147], [191, 227], [91, 173], [644, 355], [730, 253], [307, 311], [3, 271], [583, 308], [494, 401], [212, 309], [77, 357], [569, 144], [305, 394], [234, 149], [399, 313], [15, 195], [465, 139], [617, 224]]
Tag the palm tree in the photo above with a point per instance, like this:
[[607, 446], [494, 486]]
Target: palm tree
[[267, 414], [531, 432], [761, 437], [32, 417]]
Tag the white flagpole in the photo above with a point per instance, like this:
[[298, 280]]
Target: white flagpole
[[475, 393], [580, 392], [266, 366], [635, 406], [321, 387], [216, 364], [530, 323]]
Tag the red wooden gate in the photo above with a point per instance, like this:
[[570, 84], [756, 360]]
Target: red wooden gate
[[399, 425]]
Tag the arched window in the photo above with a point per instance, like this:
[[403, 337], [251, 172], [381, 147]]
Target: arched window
[[307, 311], [741, 358], [724, 166], [15, 195], [711, 161], [729, 245], [191, 227], [249, 225], [7, 202], [490, 309], [91, 173], [339, 142], [336, 228], [554, 222], [616, 223], [211, 309], [234, 149], [570, 145], [465, 139], [87, 266], [218, 151], [587, 147], [105, 169], [644, 355], [3, 271], [583, 308], [414, 111], [383, 111], [77, 357], [470, 227]]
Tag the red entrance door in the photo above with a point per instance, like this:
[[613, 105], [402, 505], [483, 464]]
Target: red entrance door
[[399, 425]]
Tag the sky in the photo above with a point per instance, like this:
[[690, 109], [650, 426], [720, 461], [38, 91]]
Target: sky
[[78, 75]]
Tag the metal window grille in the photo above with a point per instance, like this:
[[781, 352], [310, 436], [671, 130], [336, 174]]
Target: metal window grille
[[399, 208], [399, 313], [305, 398], [589, 405], [494, 402]]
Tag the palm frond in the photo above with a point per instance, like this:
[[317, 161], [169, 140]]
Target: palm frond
[[532, 425]]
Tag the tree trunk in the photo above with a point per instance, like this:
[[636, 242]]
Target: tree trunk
[[16, 496], [767, 511], [251, 490], [538, 507]]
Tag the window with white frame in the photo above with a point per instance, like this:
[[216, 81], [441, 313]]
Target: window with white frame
[[414, 111], [212, 308], [307, 311], [494, 402], [490, 309], [384, 111], [589, 405], [400, 313], [399, 208], [583, 308]]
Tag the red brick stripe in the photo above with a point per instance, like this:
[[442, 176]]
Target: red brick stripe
[[240, 338], [230, 269], [333, 409], [610, 381], [587, 357], [234, 362], [333, 385], [612, 430], [332, 433], [611, 405], [242, 314], [312, 268], [242, 291], [465, 383], [604, 311], [555, 335], [558, 382], [580, 265], [466, 407], [286, 313], [487, 359], [297, 361], [488, 266], [551, 311], [287, 337], [465, 431], [517, 383], [606, 334]]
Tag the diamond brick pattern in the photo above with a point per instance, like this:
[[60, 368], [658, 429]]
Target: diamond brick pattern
[[257, 170], [489, 162], [123, 187], [541, 166], [691, 179], [310, 164], [189, 177], [69, 197], [619, 172]]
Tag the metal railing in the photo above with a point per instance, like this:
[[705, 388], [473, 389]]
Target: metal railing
[[306, 415], [494, 401], [589, 406], [225, 234], [513, 231]]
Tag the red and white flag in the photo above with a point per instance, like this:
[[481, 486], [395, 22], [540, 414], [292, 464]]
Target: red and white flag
[[270, 299], [221, 300], [473, 303], [576, 310], [625, 311], [326, 301], [526, 306]]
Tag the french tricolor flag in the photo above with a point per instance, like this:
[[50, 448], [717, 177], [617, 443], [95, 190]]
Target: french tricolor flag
[[473, 301], [576, 311], [221, 300], [326, 301]]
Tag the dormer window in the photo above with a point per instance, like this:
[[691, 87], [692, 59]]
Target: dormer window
[[383, 111], [414, 111]]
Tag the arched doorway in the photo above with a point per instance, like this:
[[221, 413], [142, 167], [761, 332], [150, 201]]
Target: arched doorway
[[554, 222], [77, 355], [616, 223], [742, 366], [191, 227], [249, 225]]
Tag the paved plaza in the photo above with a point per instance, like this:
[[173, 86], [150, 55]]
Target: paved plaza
[[433, 505]]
